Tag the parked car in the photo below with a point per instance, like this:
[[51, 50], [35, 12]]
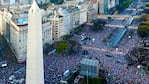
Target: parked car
[[109, 55], [3, 64]]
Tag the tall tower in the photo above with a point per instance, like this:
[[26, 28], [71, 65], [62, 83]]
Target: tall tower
[[34, 68]]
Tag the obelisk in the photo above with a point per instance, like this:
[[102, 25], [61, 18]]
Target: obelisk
[[34, 59]]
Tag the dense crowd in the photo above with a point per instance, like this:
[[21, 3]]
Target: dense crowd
[[119, 71], [117, 66]]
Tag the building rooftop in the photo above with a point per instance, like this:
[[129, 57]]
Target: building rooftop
[[90, 62]]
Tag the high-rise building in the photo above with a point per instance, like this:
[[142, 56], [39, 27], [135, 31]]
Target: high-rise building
[[34, 67]]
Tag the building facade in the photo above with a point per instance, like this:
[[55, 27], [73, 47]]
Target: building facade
[[83, 15], [91, 13], [63, 11], [15, 31], [75, 16], [57, 22]]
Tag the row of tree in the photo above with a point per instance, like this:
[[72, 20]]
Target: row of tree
[[98, 25], [143, 28]]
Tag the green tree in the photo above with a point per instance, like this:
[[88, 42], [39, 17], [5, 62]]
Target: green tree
[[144, 17], [143, 31], [98, 25], [74, 47], [61, 46], [147, 4], [67, 37], [109, 18], [47, 48], [78, 30]]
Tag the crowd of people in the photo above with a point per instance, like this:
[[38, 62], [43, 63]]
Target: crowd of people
[[56, 65], [117, 66]]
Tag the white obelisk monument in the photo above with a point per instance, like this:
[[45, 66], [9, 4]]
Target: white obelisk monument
[[34, 66]]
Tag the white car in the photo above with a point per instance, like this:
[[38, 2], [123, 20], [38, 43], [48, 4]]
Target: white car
[[3, 64]]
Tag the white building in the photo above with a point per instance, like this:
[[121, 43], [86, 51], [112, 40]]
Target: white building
[[116, 2], [91, 13], [7, 2], [111, 4], [64, 12], [83, 15], [15, 31], [101, 6], [75, 16]]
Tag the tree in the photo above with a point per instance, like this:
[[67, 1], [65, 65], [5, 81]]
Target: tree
[[47, 48], [144, 17], [61, 46], [74, 47], [143, 31], [67, 37], [138, 55], [109, 18], [98, 25], [78, 30], [147, 4], [124, 4], [145, 23]]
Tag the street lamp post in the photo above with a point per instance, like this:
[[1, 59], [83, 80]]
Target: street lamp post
[[87, 76], [139, 67]]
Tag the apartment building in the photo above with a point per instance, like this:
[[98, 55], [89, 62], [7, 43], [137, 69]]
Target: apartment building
[[63, 11], [75, 16], [15, 29], [91, 13], [83, 14], [56, 22], [111, 4], [58, 29], [103, 6]]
